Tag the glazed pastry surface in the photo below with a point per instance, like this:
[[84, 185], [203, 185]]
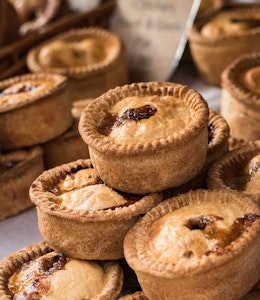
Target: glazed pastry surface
[[53, 275], [74, 53], [194, 231], [230, 24], [145, 118], [251, 79], [84, 190], [23, 91], [252, 170]]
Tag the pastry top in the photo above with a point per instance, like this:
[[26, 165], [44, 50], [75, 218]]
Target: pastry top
[[143, 118], [76, 191], [194, 231], [53, 274], [227, 23], [250, 79], [74, 53], [22, 90], [134, 118]]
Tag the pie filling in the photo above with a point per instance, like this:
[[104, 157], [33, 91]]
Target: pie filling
[[194, 231], [230, 24], [23, 91], [53, 275], [144, 118], [247, 178], [251, 79], [82, 189], [74, 53]]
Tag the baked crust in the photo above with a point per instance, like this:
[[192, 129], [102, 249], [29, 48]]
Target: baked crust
[[238, 170], [167, 269], [86, 226], [135, 296], [130, 158], [86, 79], [240, 100], [70, 143], [231, 32], [34, 108], [112, 272], [18, 169]]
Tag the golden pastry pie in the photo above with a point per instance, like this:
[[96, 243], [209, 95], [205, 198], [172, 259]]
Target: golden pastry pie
[[135, 296], [90, 219], [238, 169], [196, 246], [38, 272], [34, 108], [218, 135], [70, 143], [240, 100], [18, 169], [34, 14], [8, 32], [93, 59], [140, 135], [219, 39]]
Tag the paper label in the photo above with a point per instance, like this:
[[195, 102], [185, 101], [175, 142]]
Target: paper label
[[154, 33]]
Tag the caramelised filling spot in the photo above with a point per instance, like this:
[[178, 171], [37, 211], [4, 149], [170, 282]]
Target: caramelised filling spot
[[52, 275], [198, 230], [144, 118], [21, 88], [83, 189]]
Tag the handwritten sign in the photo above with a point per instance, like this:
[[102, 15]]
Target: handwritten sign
[[154, 33]]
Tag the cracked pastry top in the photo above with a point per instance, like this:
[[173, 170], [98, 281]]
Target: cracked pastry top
[[144, 121], [38, 272], [240, 99], [238, 169], [193, 237], [73, 196]]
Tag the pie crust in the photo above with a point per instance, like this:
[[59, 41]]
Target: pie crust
[[18, 169], [234, 143], [240, 101], [209, 7], [90, 219], [8, 34], [34, 108], [188, 246], [94, 60], [215, 41], [135, 296], [51, 276], [254, 293], [140, 153], [70, 143], [239, 170]]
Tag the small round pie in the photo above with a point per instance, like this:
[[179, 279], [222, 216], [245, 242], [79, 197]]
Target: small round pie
[[217, 40], [240, 100], [39, 272], [140, 135], [197, 246], [90, 219], [239, 170], [34, 108], [93, 59], [70, 143], [18, 169]]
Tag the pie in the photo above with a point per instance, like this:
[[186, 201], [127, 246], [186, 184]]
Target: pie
[[135, 296], [217, 40], [39, 272], [34, 108], [239, 170], [197, 246], [18, 169], [90, 218], [93, 59], [240, 100], [70, 143], [140, 135]]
